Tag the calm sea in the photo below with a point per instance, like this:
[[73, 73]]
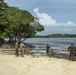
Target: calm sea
[[55, 43]]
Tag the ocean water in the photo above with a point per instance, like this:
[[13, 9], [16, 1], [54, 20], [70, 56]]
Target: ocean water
[[55, 43]]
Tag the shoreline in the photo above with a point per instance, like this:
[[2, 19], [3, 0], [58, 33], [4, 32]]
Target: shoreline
[[57, 53]]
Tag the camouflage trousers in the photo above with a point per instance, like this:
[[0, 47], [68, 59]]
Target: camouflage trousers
[[72, 56], [50, 53], [16, 52], [22, 52]]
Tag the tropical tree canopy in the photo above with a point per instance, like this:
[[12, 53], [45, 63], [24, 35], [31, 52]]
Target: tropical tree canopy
[[15, 23]]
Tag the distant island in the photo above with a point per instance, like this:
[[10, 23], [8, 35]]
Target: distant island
[[55, 36]]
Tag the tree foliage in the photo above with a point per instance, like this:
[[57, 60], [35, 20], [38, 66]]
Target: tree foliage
[[56, 36], [15, 23], [3, 21]]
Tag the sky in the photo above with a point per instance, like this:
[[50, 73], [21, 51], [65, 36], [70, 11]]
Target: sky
[[57, 16]]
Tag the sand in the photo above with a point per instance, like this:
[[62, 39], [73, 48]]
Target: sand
[[28, 65]]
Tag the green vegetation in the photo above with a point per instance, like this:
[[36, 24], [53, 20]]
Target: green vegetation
[[15, 23], [55, 36]]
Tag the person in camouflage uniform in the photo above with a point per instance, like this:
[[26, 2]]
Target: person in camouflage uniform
[[22, 49], [49, 51], [72, 49], [17, 48], [47, 48]]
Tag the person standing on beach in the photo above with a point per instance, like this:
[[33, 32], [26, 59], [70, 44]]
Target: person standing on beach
[[17, 48], [47, 49], [22, 49], [72, 49]]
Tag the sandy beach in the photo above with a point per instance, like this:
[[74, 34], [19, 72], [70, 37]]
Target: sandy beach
[[28, 65]]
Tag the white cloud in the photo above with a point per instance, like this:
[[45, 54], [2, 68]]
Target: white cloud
[[44, 18], [70, 23], [67, 24], [47, 20], [36, 10]]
